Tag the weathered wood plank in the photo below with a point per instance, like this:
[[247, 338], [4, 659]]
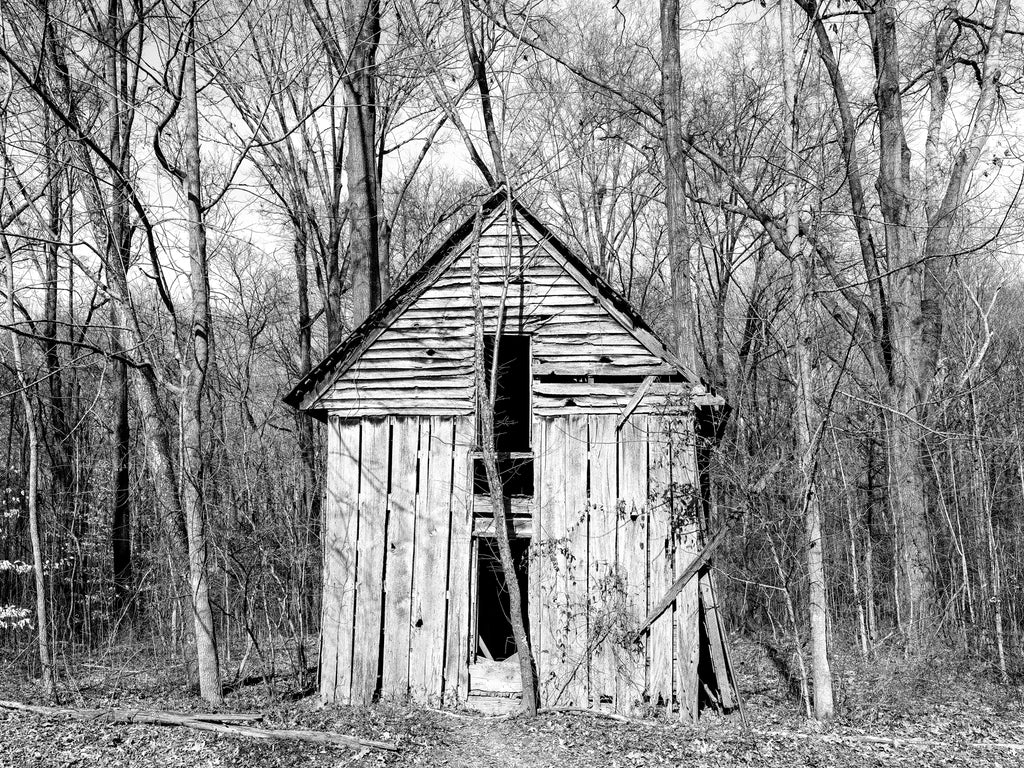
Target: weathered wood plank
[[716, 641], [631, 682], [635, 399], [685, 512], [594, 365], [624, 389], [488, 677], [660, 564], [383, 369], [456, 678], [373, 491], [553, 586], [536, 563], [605, 595], [374, 409], [429, 609], [452, 301], [398, 573], [410, 387], [340, 531], [683, 577], [399, 390], [474, 602], [577, 665], [450, 403], [595, 335], [559, 406], [520, 526]]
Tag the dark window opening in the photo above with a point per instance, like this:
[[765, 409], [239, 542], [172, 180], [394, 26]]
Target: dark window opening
[[494, 615], [515, 473], [512, 401], [511, 417]]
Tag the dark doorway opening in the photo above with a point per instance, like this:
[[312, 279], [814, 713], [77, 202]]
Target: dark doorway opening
[[494, 614]]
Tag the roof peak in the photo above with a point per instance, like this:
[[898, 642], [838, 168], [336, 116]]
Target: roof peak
[[352, 346]]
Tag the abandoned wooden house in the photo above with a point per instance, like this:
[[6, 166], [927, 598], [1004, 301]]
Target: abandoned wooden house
[[595, 424]]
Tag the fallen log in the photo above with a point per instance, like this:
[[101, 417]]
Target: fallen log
[[227, 724]]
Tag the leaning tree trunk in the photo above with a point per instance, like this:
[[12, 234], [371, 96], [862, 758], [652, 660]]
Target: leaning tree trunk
[[486, 390]]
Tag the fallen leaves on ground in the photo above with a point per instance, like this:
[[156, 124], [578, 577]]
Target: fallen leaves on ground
[[952, 709]]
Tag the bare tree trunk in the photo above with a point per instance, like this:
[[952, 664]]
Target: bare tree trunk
[[870, 593], [304, 423], [989, 565], [120, 530], [486, 395], [805, 696], [192, 496], [851, 526], [364, 200], [677, 228], [357, 67], [808, 421], [118, 246], [42, 619], [54, 417]]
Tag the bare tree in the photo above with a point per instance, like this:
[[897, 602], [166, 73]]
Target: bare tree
[[677, 241], [808, 423], [352, 51], [42, 615], [904, 311], [194, 373]]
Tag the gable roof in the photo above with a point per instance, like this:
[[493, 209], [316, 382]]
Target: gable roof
[[313, 385]]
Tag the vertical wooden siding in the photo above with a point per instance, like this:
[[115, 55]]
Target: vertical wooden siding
[[341, 518], [396, 596], [610, 550]]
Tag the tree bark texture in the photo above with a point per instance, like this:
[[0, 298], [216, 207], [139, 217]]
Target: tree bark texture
[[194, 382], [677, 228], [808, 420], [118, 246]]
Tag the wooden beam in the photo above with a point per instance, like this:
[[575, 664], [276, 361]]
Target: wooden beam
[[691, 570], [634, 401]]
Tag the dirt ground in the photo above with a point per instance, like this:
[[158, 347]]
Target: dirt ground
[[890, 712]]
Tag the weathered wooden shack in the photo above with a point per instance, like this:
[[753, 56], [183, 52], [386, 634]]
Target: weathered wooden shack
[[596, 429]]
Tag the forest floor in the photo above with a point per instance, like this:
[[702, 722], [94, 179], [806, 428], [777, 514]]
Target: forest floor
[[891, 711]]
